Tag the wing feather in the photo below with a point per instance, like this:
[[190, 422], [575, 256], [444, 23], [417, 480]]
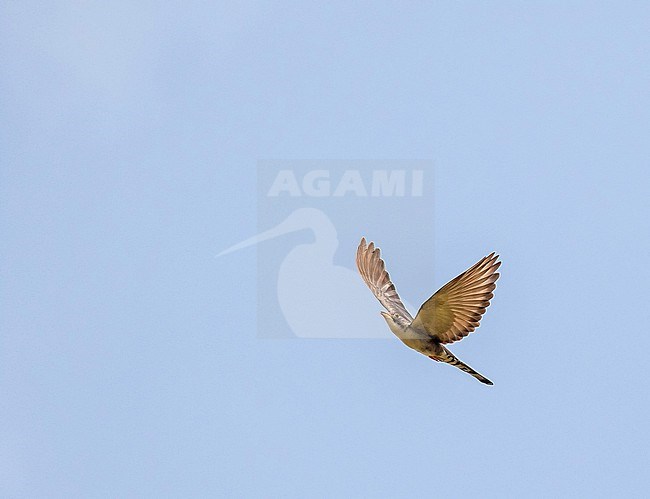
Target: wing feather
[[455, 310], [373, 271]]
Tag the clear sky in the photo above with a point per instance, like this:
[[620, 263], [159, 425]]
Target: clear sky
[[131, 364]]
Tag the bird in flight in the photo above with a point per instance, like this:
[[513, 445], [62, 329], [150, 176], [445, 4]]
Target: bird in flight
[[453, 312]]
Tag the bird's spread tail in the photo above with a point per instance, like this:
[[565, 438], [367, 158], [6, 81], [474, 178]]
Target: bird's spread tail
[[450, 358]]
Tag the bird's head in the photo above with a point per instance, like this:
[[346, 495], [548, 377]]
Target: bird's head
[[391, 319]]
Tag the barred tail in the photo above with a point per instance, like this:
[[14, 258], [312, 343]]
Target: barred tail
[[450, 358]]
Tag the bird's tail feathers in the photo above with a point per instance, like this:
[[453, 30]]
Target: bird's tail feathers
[[450, 358]]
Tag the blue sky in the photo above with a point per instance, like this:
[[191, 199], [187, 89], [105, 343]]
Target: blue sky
[[130, 361]]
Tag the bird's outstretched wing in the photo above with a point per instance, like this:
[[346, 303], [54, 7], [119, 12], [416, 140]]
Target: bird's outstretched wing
[[373, 270], [455, 310]]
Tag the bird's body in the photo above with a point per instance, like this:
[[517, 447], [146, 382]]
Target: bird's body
[[449, 315]]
